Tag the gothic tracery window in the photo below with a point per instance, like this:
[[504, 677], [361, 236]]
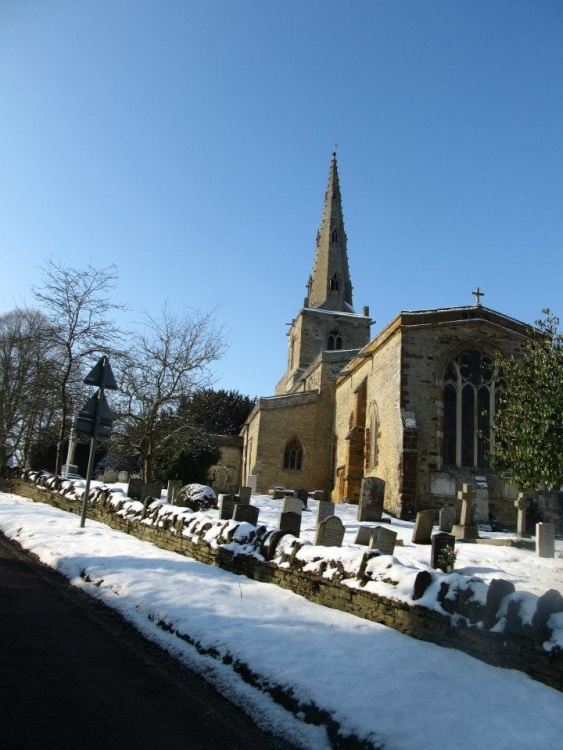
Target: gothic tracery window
[[293, 455], [468, 399]]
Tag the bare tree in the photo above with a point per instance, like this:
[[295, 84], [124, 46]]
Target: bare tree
[[26, 392], [78, 304], [169, 359]]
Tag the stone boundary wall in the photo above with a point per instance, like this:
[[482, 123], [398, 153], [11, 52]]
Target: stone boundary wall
[[510, 651]]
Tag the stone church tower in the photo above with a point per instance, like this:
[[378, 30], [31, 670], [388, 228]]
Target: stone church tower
[[327, 320], [288, 437]]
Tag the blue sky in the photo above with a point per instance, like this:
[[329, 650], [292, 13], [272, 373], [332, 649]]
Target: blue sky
[[189, 142]]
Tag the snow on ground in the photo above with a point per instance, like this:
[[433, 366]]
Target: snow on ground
[[387, 689]]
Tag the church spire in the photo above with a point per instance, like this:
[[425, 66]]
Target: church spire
[[329, 286]]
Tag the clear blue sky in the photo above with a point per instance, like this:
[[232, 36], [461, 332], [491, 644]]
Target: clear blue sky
[[189, 142]]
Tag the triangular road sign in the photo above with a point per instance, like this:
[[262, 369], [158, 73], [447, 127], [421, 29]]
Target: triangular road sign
[[102, 370]]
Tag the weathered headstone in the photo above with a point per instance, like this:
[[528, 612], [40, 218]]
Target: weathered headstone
[[383, 539], [110, 476], [233, 489], [441, 542], [324, 509], [244, 495], [123, 476], [290, 522], [363, 535], [252, 482], [423, 527], [545, 540], [226, 507], [447, 518], [278, 493], [521, 505], [151, 489], [372, 493], [466, 528], [292, 505], [174, 486], [134, 488], [330, 532], [318, 495], [246, 512]]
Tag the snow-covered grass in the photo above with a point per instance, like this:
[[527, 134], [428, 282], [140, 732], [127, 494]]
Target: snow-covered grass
[[365, 679]]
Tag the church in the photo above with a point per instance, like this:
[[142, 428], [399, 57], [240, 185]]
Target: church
[[412, 406]]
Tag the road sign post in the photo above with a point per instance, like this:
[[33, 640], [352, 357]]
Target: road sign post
[[95, 419]]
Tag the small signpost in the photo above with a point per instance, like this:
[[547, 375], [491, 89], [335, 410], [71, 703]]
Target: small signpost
[[95, 418]]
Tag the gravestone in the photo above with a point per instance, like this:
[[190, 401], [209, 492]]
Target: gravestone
[[481, 500], [134, 488], [233, 489], [278, 493], [151, 489], [226, 507], [383, 539], [364, 535], [245, 512], [447, 518], [252, 482], [303, 495], [521, 505], [324, 509], [330, 532], [423, 527], [545, 540], [123, 476], [292, 505], [440, 542], [174, 486], [244, 495], [318, 495], [370, 506], [466, 528], [290, 522], [110, 476]]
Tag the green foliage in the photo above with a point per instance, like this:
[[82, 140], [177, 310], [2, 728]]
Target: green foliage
[[190, 462], [528, 424], [217, 412]]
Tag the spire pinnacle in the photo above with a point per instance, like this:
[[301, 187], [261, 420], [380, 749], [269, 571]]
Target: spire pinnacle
[[330, 287]]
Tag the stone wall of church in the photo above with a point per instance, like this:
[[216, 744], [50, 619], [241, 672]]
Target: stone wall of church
[[306, 416], [380, 372]]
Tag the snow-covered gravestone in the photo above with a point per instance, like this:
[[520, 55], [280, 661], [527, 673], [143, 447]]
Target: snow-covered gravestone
[[330, 532], [370, 506], [292, 505], [134, 488], [244, 512], [290, 522], [384, 540], [423, 527], [447, 518], [545, 540], [226, 507], [324, 509], [244, 495]]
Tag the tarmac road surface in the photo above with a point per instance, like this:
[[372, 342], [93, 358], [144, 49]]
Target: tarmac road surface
[[74, 676]]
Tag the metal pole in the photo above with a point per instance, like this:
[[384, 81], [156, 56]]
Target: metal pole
[[93, 444]]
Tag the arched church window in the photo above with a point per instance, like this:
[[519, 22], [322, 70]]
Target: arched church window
[[468, 400], [334, 236], [334, 341], [293, 455], [334, 282]]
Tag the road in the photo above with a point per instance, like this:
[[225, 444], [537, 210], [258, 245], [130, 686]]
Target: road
[[74, 675]]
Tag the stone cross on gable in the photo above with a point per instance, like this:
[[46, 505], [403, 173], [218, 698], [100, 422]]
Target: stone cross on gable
[[478, 294]]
